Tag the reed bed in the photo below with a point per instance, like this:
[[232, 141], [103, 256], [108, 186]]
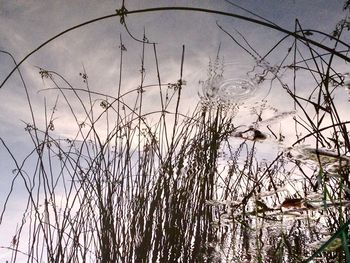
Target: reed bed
[[134, 185]]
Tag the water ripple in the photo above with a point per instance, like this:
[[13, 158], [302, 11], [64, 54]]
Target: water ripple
[[236, 89], [230, 85]]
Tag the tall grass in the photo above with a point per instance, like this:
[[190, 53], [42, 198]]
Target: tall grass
[[134, 185]]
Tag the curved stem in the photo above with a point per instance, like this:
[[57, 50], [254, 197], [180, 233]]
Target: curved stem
[[124, 13]]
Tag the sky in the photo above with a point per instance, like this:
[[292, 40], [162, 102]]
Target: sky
[[26, 24]]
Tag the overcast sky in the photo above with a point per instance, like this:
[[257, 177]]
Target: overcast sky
[[25, 24]]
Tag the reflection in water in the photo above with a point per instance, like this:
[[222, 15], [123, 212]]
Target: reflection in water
[[163, 186], [226, 84], [198, 196], [201, 194], [235, 89]]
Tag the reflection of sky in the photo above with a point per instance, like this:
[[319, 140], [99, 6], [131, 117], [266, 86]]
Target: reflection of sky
[[25, 24]]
